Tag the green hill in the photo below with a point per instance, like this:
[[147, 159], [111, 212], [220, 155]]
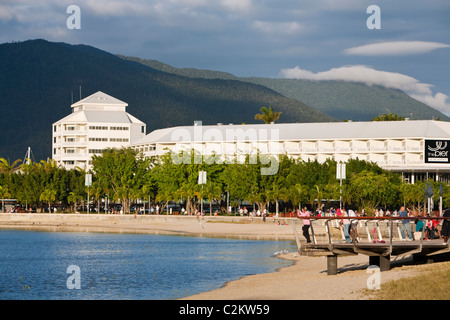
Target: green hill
[[339, 99], [39, 80]]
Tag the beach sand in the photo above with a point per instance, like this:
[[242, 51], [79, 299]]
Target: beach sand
[[306, 278]]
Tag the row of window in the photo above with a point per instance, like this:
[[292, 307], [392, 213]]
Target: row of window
[[98, 139], [110, 128], [111, 139]]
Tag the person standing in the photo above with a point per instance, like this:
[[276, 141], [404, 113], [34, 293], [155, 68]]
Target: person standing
[[403, 213], [346, 224], [306, 223], [445, 232], [353, 230]]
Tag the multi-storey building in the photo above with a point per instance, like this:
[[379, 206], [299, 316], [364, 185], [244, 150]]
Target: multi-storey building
[[418, 149], [96, 123]]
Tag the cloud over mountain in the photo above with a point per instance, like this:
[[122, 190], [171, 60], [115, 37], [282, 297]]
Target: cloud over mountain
[[365, 74], [395, 48]]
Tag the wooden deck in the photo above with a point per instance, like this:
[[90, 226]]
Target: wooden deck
[[379, 253]]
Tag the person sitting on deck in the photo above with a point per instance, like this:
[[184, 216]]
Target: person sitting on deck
[[446, 226], [431, 231]]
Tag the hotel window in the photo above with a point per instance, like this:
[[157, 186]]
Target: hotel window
[[119, 140], [119, 128], [95, 150]]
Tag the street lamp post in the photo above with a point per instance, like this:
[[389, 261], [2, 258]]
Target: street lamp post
[[201, 181]]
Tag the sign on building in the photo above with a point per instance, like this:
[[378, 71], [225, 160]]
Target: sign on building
[[437, 151]]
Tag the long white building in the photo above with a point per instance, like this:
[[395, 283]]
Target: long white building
[[418, 149], [96, 123]]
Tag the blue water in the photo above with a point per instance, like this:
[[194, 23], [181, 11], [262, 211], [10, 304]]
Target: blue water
[[33, 265]]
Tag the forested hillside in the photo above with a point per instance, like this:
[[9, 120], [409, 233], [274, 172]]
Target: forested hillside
[[339, 99], [39, 80]]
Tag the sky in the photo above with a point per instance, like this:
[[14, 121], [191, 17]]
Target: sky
[[401, 44]]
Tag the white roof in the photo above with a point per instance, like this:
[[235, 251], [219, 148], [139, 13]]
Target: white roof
[[306, 131], [100, 98], [101, 114]]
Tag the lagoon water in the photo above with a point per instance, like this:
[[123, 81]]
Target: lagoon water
[[34, 265]]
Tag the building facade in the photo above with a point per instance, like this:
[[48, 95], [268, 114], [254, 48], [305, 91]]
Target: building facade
[[96, 123], [418, 149]]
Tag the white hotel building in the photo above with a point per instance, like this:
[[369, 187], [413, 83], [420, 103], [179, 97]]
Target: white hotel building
[[418, 149], [96, 123]]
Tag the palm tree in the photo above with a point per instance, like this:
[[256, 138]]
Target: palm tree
[[212, 192], [267, 115], [165, 196], [275, 194], [188, 191], [49, 194], [6, 167], [4, 193], [389, 117], [297, 193]]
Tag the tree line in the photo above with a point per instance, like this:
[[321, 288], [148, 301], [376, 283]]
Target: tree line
[[125, 177]]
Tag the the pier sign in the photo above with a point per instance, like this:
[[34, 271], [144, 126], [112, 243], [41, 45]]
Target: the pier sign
[[437, 151]]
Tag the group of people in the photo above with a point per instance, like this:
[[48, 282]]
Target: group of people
[[350, 225]]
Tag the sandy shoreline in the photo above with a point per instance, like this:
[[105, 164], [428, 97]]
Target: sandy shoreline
[[306, 279], [208, 226]]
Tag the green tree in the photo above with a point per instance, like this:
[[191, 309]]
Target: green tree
[[388, 117], [73, 199], [164, 197], [267, 115], [4, 194], [48, 195], [367, 189], [123, 171], [212, 192], [7, 167], [297, 193]]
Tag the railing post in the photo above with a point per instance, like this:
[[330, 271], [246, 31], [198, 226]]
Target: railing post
[[328, 231], [312, 232]]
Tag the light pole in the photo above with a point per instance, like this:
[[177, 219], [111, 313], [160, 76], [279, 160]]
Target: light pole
[[88, 183], [201, 181], [341, 173]]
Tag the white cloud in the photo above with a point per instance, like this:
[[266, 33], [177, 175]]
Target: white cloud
[[360, 73], [237, 5], [116, 8], [269, 27], [395, 48]]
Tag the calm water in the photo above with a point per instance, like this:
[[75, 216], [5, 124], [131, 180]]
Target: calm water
[[33, 265]]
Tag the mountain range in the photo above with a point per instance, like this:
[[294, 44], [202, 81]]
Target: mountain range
[[342, 100], [39, 80]]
